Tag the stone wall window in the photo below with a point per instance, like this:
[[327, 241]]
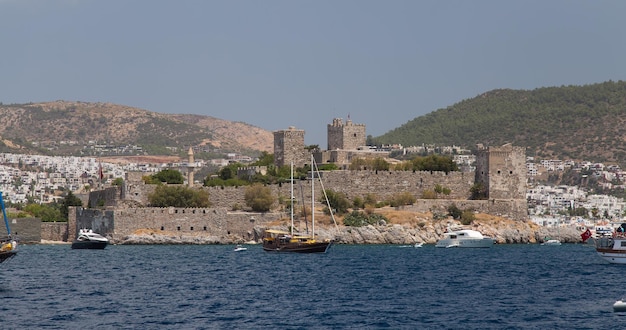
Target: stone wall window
[[178, 228]]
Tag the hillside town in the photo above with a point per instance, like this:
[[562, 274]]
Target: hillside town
[[40, 178]]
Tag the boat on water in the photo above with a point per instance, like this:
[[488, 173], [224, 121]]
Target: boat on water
[[8, 245], [619, 306], [552, 242], [418, 245], [239, 248], [87, 239], [289, 241], [465, 238], [613, 248]]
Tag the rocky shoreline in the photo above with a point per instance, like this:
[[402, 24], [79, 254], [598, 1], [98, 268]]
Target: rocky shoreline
[[503, 231]]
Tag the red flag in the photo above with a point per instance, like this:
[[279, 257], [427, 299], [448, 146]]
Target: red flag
[[585, 236]]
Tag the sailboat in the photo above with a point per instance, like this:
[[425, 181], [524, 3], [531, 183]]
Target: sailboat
[[8, 246], [283, 241]]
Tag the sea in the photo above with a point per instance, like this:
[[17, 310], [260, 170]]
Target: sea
[[524, 286]]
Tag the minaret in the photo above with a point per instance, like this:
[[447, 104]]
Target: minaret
[[190, 166]]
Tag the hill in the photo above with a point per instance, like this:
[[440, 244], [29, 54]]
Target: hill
[[72, 128], [568, 122]]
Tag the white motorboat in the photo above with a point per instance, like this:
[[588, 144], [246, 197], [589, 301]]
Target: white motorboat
[[552, 242], [465, 238], [612, 248], [418, 245], [239, 248], [87, 239]]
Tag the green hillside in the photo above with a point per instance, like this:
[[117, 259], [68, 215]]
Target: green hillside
[[568, 122]]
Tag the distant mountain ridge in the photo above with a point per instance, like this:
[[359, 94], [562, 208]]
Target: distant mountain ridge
[[568, 122], [30, 127]]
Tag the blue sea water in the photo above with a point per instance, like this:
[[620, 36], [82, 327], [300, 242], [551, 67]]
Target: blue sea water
[[350, 287]]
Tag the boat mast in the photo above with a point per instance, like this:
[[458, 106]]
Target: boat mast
[[312, 197], [4, 214], [291, 208], [330, 209]]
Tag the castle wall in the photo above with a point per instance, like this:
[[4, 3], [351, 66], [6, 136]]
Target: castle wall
[[100, 221], [54, 231], [28, 230], [103, 198], [383, 184], [206, 221]]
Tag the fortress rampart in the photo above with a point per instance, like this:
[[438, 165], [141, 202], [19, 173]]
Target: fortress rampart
[[221, 221]]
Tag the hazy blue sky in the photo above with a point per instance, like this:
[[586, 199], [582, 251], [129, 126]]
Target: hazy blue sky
[[275, 64]]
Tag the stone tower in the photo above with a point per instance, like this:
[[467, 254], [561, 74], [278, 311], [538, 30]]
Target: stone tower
[[345, 137], [289, 147], [502, 170], [190, 167]]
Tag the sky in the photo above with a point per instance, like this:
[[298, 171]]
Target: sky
[[280, 63]]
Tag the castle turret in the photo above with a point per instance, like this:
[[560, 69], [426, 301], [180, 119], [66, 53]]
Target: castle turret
[[345, 137], [289, 147], [502, 171]]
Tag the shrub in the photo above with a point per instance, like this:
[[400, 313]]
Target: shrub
[[401, 199], [454, 212], [259, 198], [467, 217], [337, 201], [478, 191], [358, 203], [359, 219], [429, 194]]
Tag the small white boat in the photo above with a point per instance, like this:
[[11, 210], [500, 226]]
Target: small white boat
[[465, 238], [552, 242], [418, 245], [239, 248], [619, 306]]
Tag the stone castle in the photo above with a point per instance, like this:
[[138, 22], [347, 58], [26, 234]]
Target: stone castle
[[501, 170]]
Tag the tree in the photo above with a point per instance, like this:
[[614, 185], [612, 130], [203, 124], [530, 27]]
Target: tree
[[178, 196], [478, 191], [265, 159], [45, 212], [259, 197], [169, 176], [69, 200], [228, 172]]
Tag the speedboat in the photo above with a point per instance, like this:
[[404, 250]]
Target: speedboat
[[465, 238], [239, 248], [418, 245], [87, 239]]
